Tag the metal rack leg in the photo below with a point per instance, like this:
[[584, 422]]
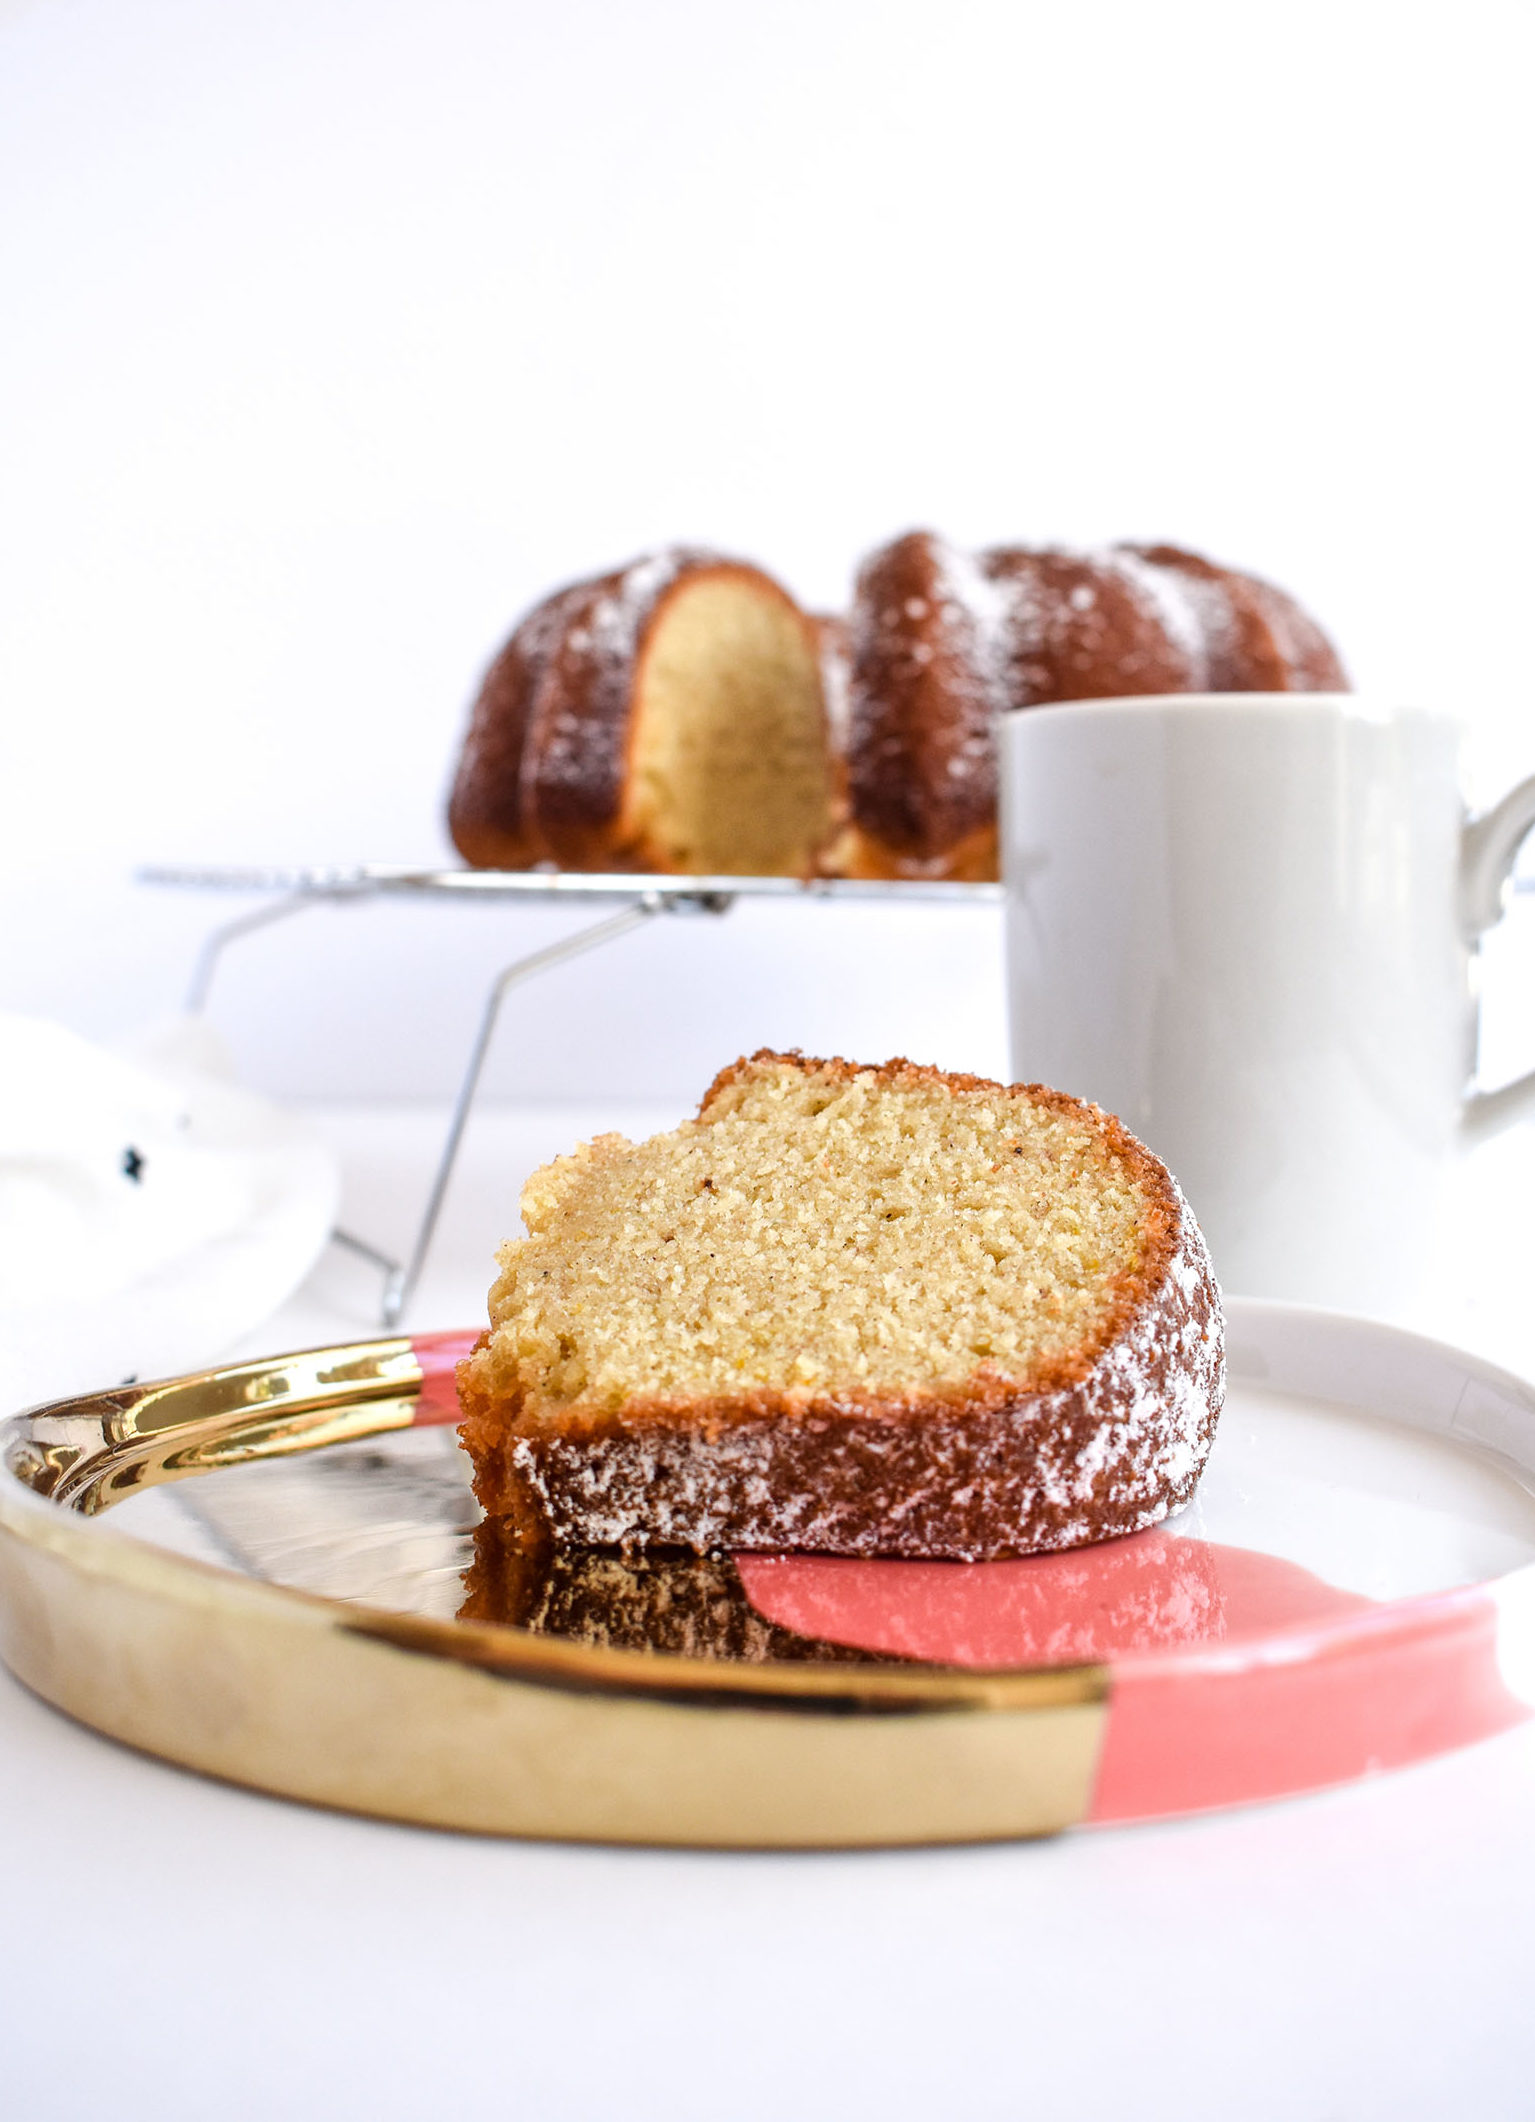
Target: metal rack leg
[[392, 1271], [213, 949], [401, 1281]]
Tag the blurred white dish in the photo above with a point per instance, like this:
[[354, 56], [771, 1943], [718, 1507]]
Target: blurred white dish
[[151, 1210]]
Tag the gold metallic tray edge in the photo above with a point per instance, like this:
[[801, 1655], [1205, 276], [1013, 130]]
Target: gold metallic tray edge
[[465, 1724]]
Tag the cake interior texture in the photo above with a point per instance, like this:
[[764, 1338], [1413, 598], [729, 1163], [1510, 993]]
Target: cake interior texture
[[815, 1233], [850, 1310], [729, 760]]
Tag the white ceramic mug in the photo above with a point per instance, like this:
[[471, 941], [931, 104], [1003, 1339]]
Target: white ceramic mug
[[1248, 924]]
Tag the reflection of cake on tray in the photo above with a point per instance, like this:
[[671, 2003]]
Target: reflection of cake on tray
[[685, 1605], [859, 1311], [683, 715]]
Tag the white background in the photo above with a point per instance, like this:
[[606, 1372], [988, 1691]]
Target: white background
[[334, 334]]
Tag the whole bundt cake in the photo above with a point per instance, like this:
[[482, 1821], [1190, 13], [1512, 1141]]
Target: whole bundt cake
[[683, 715]]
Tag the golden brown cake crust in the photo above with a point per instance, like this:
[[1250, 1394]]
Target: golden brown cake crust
[[925, 689], [1259, 639], [486, 812], [1105, 1442], [1089, 626]]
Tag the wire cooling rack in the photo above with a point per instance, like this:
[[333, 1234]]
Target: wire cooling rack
[[634, 899]]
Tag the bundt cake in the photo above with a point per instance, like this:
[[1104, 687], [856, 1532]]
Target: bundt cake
[[864, 1311], [942, 642], [684, 715], [668, 717]]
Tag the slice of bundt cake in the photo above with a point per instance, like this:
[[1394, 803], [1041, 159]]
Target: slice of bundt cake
[[868, 1311], [668, 717]]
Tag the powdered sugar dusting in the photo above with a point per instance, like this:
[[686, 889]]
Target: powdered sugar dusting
[[587, 686], [831, 641], [1177, 612], [975, 610], [928, 683], [619, 615]]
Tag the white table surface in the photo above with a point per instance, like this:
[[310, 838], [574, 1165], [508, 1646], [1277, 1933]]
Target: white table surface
[[173, 1948]]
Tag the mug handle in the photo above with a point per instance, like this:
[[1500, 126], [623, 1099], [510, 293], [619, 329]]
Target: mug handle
[[1489, 846]]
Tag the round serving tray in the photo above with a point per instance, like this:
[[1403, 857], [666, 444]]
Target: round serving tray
[[293, 1593]]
